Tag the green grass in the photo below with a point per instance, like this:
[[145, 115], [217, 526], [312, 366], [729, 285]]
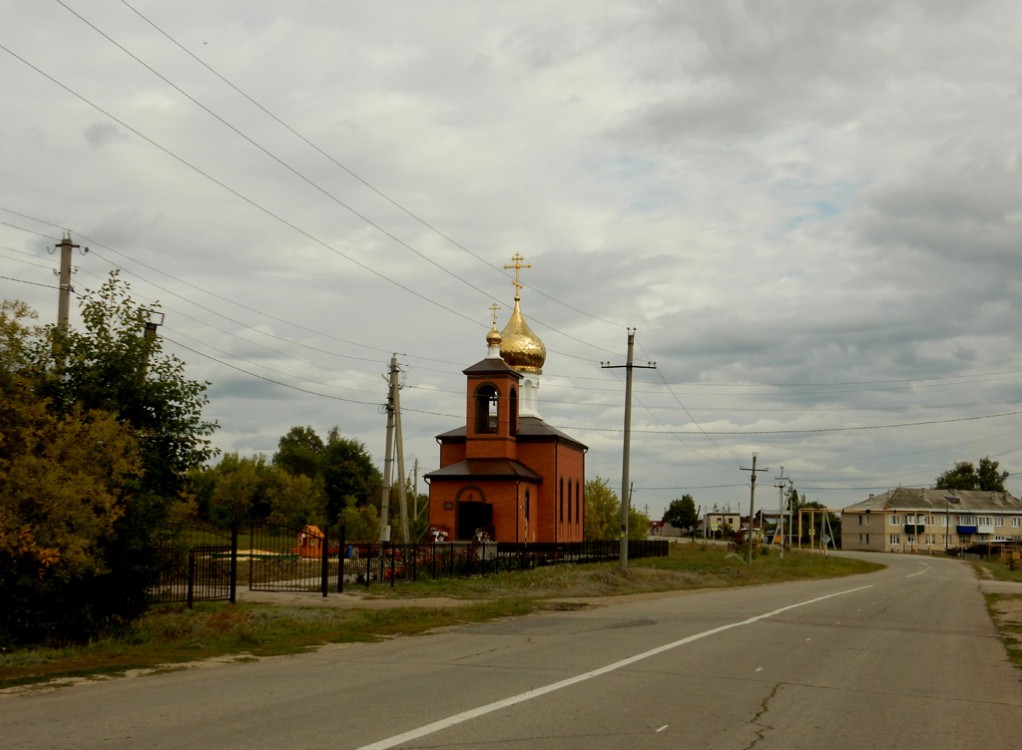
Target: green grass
[[172, 635], [1008, 626]]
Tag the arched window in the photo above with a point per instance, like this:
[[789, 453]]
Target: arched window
[[527, 504], [578, 514], [486, 409]]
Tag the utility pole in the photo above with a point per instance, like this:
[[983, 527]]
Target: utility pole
[[625, 495], [402, 497], [415, 486], [752, 501], [154, 319], [388, 461], [65, 289], [781, 484]]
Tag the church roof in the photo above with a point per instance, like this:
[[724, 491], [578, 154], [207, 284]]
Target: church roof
[[486, 468], [529, 428], [491, 365]]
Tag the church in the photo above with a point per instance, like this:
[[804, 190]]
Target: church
[[506, 475]]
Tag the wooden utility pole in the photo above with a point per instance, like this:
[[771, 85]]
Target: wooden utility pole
[[752, 502], [65, 288], [625, 487]]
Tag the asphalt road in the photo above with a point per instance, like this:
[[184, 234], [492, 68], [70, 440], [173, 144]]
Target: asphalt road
[[905, 658]]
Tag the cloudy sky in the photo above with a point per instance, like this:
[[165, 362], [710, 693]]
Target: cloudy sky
[[809, 211]]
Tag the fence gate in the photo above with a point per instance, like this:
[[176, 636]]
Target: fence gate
[[284, 558], [199, 564]]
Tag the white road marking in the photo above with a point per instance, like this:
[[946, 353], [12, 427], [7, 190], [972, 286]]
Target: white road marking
[[661, 729], [474, 713], [926, 569]]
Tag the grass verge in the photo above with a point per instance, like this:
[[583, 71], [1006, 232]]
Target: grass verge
[[174, 635]]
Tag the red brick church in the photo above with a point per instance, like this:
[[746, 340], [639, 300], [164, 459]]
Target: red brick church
[[506, 473]]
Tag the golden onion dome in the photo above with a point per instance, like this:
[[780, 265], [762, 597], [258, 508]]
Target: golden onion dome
[[493, 338], [520, 348]]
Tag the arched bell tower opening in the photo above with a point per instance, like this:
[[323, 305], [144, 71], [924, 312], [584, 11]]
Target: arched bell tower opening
[[487, 408]]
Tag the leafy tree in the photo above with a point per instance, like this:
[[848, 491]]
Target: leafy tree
[[965, 476], [349, 476], [113, 365], [638, 524], [66, 480], [681, 514], [602, 511], [300, 452], [343, 466], [99, 429]]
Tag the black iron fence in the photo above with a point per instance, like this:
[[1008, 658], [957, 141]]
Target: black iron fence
[[199, 564], [282, 558]]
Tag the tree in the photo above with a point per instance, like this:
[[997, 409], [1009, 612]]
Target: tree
[[66, 481], [115, 366], [603, 511], [300, 452], [681, 514], [349, 475], [100, 429], [342, 466], [964, 476]]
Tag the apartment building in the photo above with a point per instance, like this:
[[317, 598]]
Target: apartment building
[[931, 521]]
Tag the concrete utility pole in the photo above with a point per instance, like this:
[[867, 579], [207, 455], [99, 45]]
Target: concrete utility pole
[[402, 497], [65, 289], [752, 501], [781, 484], [388, 461], [625, 494]]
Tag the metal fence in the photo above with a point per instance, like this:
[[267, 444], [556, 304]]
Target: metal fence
[[199, 564], [283, 558]]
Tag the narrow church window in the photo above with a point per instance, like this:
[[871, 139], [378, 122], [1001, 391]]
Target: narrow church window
[[513, 411], [527, 505], [560, 516], [569, 501], [486, 409]]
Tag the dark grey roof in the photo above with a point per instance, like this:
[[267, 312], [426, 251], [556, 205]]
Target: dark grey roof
[[492, 364], [486, 468], [915, 499], [529, 428]]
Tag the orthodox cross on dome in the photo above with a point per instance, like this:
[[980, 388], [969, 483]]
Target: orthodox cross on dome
[[493, 311], [518, 266]]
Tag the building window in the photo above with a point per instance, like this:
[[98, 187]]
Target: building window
[[867, 538], [527, 498], [512, 411], [1015, 522], [999, 521], [895, 520], [569, 501], [578, 514], [895, 539], [560, 504]]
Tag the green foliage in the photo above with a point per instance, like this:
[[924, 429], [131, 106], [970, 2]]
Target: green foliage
[[603, 511], [681, 514], [343, 467], [98, 432], [965, 476], [300, 452]]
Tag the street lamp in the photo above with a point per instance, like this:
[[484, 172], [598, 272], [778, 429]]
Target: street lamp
[[948, 499]]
